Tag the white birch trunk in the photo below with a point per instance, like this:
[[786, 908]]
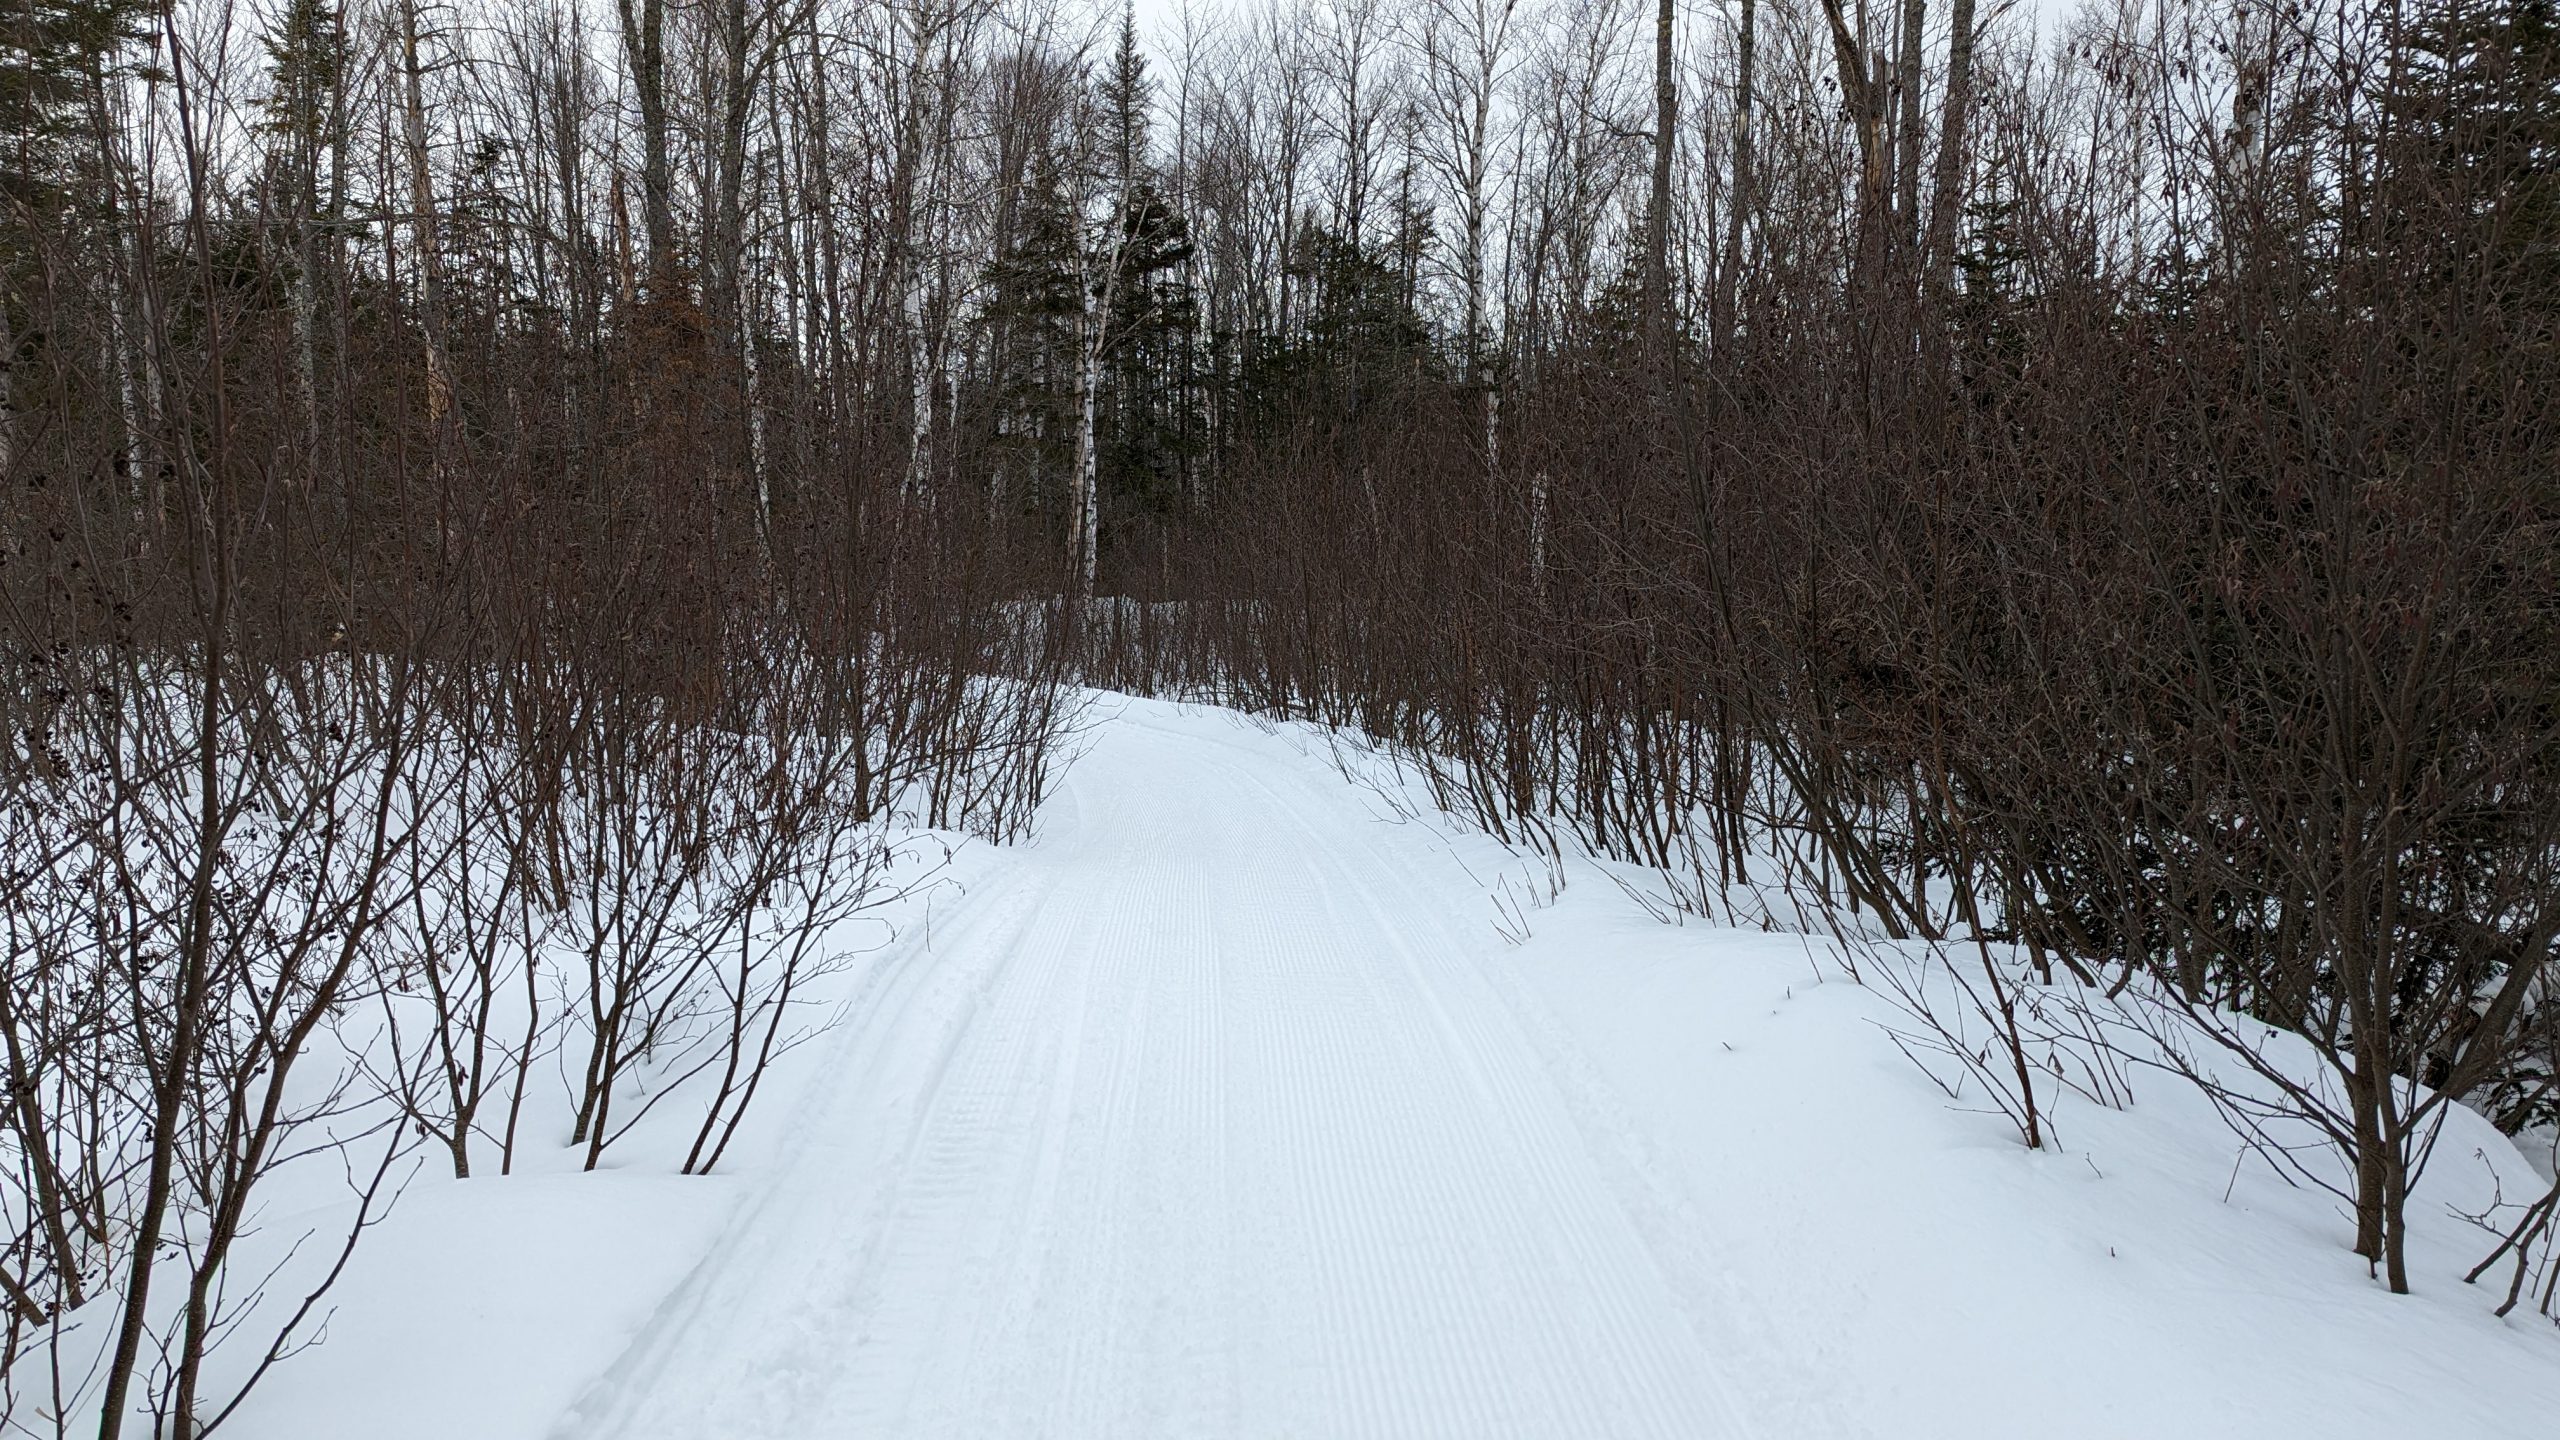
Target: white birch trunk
[[1084, 511], [306, 348], [1538, 535], [1463, 44], [422, 201], [1096, 298], [753, 372], [919, 384], [130, 355]]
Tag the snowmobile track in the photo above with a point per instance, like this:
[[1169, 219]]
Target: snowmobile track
[[1210, 1118]]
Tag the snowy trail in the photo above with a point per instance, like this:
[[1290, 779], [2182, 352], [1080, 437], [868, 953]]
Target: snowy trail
[[1205, 1119]]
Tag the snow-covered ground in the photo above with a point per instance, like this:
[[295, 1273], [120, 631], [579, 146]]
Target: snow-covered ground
[[1237, 1104]]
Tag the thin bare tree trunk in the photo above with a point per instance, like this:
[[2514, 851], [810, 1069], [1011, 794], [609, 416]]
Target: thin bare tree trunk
[[131, 357], [1906, 219], [1657, 232], [422, 204], [1945, 200], [644, 49], [8, 392], [1738, 206], [1084, 511], [1860, 93], [173, 1081], [303, 301]]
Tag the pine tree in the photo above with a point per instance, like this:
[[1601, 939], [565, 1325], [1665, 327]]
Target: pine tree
[[307, 56], [53, 56], [2482, 110], [1031, 319], [1364, 335], [1152, 308], [1154, 312], [58, 59]]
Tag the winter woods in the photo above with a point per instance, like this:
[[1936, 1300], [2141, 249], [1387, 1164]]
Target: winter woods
[[507, 506], [448, 662], [2084, 489]]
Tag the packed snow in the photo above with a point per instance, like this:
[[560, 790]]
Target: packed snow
[[1245, 1100]]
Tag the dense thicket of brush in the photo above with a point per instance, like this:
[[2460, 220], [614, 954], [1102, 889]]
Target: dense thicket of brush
[[403, 687]]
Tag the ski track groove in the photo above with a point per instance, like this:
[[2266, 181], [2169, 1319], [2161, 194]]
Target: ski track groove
[[1208, 1119], [1471, 1043]]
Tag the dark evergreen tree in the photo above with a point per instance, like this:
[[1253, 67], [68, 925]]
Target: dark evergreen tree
[[1364, 339], [307, 55], [54, 57], [1031, 318], [1147, 431], [2482, 115], [1146, 427]]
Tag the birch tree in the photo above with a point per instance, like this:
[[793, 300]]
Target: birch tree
[[1466, 53]]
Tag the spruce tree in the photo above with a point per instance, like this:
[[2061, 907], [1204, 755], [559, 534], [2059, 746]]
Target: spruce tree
[[2481, 109], [1153, 309]]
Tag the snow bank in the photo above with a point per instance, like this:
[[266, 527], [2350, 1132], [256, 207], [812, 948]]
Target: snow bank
[[2143, 1276], [1849, 1252]]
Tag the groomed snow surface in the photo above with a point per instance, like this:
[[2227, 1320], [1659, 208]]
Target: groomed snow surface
[[1236, 1104]]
